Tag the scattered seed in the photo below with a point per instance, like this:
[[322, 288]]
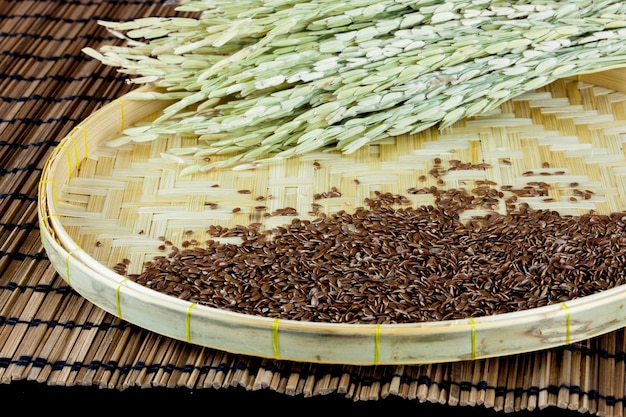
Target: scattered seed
[[390, 262]]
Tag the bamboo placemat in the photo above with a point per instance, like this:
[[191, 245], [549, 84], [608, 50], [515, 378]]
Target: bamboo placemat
[[51, 335]]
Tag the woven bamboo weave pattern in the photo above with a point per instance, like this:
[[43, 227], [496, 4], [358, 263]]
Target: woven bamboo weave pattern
[[568, 136], [52, 335], [179, 214]]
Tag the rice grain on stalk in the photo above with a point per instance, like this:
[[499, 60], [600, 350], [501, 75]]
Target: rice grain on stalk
[[263, 79]]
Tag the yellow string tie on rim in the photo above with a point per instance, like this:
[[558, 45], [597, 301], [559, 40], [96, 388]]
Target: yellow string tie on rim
[[71, 138], [75, 130], [473, 336], [117, 297], [275, 339], [67, 264], [567, 323], [377, 345], [188, 322]]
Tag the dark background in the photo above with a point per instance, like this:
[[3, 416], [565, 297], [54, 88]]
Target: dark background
[[31, 396]]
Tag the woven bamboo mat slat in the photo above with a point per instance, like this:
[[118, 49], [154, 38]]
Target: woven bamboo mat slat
[[50, 335]]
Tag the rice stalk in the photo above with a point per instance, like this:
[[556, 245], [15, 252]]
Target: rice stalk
[[275, 79]]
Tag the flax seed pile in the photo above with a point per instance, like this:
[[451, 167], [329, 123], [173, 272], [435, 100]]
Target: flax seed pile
[[389, 262]]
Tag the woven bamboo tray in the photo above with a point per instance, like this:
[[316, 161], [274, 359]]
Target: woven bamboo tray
[[99, 205]]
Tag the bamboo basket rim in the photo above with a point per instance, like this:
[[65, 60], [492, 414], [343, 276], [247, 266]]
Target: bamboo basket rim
[[350, 344]]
